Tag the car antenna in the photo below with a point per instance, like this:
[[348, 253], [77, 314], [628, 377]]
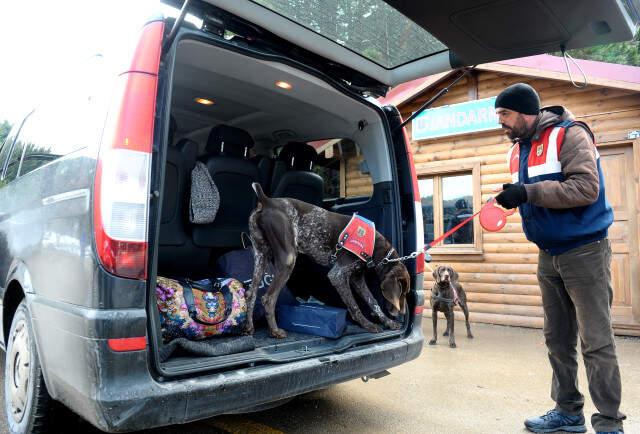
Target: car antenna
[[436, 97], [176, 26]]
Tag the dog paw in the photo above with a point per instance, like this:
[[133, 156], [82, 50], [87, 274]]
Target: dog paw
[[469, 335], [394, 325], [445, 333], [374, 328], [453, 345], [432, 342], [278, 333], [249, 330]]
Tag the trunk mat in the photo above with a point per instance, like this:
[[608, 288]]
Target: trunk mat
[[225, 345]]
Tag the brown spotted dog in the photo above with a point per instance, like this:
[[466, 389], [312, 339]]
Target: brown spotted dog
[[282, 228], [445, 294]]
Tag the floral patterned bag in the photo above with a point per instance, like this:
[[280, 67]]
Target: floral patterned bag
[[200, 309]]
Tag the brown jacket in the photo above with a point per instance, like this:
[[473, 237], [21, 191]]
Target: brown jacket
[[578, 158]]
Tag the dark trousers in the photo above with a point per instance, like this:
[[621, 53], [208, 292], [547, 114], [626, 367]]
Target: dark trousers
[[576, 296]]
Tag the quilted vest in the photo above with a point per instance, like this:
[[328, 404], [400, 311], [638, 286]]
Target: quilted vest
[[556, 231]]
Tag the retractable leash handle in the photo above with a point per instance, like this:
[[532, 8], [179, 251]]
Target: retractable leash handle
[[492, 217]]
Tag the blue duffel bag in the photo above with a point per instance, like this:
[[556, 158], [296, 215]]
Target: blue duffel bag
[[313, 319]]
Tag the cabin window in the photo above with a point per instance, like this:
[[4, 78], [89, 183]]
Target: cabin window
[[448, 197]]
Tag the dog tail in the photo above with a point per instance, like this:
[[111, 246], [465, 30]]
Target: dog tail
[[262, 198]]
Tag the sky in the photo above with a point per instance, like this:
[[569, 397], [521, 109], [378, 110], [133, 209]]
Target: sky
[[454, 187], [43, 42]]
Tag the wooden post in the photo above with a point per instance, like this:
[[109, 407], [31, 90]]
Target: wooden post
[[635, 243], [472, 85]]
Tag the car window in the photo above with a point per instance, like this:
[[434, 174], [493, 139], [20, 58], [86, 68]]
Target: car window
[[329, 170], [36, 139], [343, 169], [48, 135], [372, 28]]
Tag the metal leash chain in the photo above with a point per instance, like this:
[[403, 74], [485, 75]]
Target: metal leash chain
[[386, 259], [427, 257], [413, 255]]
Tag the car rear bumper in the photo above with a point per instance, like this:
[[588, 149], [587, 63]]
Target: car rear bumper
[[117, 393]]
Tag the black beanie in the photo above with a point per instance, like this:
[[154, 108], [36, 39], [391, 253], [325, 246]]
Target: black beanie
[[519, 97]]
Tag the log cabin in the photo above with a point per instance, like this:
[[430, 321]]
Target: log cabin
[[458, 169]]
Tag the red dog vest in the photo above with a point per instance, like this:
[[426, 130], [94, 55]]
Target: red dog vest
[[359, 237]]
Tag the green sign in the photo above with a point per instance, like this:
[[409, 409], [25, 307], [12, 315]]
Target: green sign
[[466, 117]]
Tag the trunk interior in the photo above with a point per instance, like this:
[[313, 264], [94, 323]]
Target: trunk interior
[[298, 135]]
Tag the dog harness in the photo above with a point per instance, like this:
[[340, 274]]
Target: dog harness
[[358, 237], [448, 301]]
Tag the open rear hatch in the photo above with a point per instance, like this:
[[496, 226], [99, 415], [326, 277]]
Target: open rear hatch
[[241, 85], [394, 41]]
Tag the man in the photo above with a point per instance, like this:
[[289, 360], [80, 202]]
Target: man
[[558, 185]]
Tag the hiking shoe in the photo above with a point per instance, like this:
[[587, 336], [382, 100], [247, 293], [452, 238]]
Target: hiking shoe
[[555, 421]]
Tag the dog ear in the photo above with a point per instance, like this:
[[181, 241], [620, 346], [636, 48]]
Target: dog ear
[[454, 275], [436, 273], [405, 285], [395, 287]]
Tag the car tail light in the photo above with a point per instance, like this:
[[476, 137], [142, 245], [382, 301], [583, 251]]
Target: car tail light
[[418, 310], [417, 205], [121, 188], [127, 344]]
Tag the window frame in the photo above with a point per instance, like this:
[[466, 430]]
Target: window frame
[[19, 161], [437, 172], [5, 164], [8, 144]]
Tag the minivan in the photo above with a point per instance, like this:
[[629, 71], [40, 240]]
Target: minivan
[[94, 192]]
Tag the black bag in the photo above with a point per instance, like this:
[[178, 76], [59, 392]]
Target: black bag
[[238, 264]]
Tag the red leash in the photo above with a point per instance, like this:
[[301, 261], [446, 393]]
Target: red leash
[[451, 231], [492, 218]]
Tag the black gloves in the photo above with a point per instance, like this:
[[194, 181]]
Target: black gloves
[[512, 195]]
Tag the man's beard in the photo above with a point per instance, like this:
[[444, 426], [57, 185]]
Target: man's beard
[[511, 133], [517, 131]]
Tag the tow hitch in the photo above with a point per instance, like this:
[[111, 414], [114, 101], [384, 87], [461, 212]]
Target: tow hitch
[[375, 376]]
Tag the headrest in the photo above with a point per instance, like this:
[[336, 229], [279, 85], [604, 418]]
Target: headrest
[[227, 140], [298, 156], [188, 148]]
